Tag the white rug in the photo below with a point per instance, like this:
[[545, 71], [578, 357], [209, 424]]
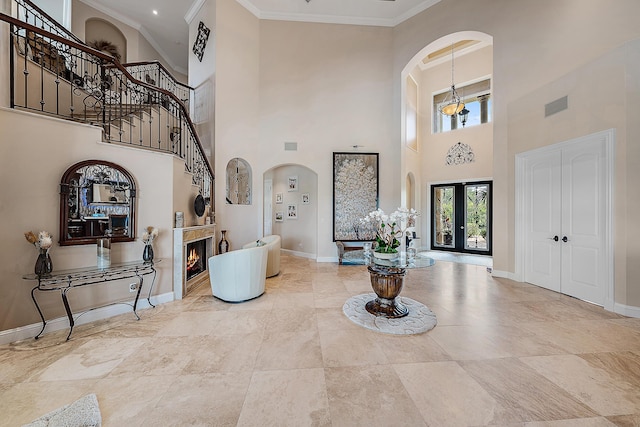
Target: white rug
[[420, 319], [83, 412]]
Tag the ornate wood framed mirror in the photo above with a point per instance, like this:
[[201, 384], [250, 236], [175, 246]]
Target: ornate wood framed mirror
[[97, 199]]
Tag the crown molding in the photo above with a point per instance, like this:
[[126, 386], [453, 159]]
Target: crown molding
[[336, 19], [193, 10]]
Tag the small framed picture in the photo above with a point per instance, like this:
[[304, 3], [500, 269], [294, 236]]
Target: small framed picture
[[279, 216], [293, 183], [305, 199], [292, 211], [278, 198]]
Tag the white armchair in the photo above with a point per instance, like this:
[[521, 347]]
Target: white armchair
[[272, 242], [238, 275]]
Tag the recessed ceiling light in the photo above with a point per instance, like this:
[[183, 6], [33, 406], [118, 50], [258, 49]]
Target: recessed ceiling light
[[155, 12]]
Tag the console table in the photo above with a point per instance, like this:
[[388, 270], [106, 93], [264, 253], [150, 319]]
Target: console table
[[65, 280]]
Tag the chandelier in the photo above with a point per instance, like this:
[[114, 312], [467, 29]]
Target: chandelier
[[452, 103]]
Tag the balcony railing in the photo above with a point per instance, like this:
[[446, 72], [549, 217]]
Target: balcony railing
[[55, 74], [154, 73]]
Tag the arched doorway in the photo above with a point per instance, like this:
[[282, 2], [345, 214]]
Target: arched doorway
[[291, 208], [427, 78]]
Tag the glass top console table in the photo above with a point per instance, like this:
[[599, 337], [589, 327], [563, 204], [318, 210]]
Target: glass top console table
[[387, 279], [65, 280]]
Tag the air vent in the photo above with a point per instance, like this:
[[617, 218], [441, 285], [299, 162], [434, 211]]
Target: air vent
[[556, 106], [290, 146]]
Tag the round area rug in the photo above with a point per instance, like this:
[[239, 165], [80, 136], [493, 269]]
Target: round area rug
[[420, 319]]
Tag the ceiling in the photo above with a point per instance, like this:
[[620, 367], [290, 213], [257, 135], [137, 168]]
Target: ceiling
[[168, 31]]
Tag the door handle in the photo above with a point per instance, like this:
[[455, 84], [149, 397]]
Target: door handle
[[462, 227], [554, 238], [564, 239]]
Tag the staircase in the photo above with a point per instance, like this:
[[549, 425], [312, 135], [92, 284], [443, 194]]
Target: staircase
[[137, 104]]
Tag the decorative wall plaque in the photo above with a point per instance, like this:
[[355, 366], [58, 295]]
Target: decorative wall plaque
[[201, 40], [460, 154]]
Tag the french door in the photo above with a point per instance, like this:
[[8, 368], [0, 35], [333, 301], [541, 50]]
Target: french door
[[461, 217]]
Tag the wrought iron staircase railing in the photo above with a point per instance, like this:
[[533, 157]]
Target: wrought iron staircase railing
[[153, 72], [54, 73]]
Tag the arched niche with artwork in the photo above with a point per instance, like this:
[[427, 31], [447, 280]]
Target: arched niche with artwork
[[238, 182], [97, 199]]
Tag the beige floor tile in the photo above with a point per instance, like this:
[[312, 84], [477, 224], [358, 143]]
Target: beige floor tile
[[446, 395], [290, 350], [192, 323], [504, 354], [291, 319], [579, 422], [286, 398], [351, 347], [467, 342], [370, 396], [226, 353], [94, 359], [127, 400], [201, 400], [609, 383], [522, 394]]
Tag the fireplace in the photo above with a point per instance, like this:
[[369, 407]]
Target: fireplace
[[196, 255], [192, 247]]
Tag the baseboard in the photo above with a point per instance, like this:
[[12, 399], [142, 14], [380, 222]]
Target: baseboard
[[503, 274], [626, 310], [298, 254], [328, 259], [30, 331]]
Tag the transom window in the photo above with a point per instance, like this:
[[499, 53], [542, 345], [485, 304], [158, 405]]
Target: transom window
[[477, 99]]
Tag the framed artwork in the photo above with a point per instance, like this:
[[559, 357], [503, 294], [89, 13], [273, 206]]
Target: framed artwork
[[305, 199], [292, 211], [293, 183], [279, 216], [201, 40], [278, 198], [355, 194]]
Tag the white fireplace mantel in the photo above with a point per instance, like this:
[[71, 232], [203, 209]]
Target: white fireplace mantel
[[181, 237]]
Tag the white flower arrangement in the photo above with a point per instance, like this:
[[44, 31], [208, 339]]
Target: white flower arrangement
[[42, 241], [390, 228], [149, 235]]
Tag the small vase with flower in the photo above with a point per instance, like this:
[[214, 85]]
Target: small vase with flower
[[43, 242], [147, 238]]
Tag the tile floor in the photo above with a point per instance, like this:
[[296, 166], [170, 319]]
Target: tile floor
[[503, 354]]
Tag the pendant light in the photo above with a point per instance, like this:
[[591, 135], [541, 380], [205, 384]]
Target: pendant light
[[452, 103]]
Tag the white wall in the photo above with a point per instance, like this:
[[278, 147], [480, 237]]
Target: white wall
[[326, 87]]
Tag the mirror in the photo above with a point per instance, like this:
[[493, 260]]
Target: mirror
[[97, 199], [238, 182]]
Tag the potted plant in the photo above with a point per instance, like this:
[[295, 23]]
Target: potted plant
[[390, 230]]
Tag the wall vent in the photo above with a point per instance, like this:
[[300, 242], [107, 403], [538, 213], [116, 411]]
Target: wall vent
[[290, 146], [556, 106]]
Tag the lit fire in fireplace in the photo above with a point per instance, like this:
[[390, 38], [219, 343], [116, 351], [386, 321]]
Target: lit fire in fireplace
[[193, 259]]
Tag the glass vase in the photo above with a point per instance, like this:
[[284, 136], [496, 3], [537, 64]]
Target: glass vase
[[44, 266], [147, 253]]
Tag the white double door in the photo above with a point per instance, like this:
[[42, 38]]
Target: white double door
[[566, 218]]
